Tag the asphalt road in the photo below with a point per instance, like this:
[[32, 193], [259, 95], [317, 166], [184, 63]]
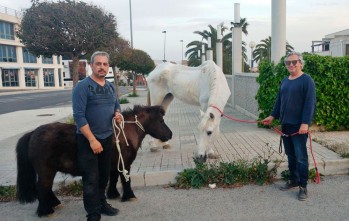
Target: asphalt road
[[327, 201], [31, 100]]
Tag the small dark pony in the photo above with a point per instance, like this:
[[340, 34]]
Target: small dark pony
[[51, 148]]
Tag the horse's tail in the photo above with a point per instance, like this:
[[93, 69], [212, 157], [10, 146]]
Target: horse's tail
[[26, 175]]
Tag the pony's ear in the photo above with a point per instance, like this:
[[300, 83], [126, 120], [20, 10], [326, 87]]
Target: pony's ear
[[167, 100]]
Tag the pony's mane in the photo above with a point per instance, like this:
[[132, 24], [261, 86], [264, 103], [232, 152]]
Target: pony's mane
[[141, 108]]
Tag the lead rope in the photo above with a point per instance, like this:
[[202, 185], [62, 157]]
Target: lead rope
[[317, 178], [117, 141]]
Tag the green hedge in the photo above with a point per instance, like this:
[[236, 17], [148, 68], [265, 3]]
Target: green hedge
[[331, 76]]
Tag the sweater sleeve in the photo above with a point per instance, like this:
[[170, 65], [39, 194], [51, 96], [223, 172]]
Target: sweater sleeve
[[276, 111], [79, 100], [309, 102]]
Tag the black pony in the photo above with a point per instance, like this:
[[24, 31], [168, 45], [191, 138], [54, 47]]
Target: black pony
[[52, 147]]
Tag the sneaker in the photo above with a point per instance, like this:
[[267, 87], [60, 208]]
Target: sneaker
[[289, 185], [108, 210], [94, 217], [303, 193]]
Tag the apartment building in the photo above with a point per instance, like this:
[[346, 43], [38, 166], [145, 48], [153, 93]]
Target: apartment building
[[19, 69], [335, 44]]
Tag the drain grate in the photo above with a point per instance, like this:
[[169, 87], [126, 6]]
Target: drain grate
[[44, 115]]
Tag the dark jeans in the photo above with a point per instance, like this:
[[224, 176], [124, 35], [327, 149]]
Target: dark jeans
[[95, 170], [296, 151]]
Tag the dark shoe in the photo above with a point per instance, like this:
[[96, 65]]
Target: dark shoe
[[94, 217], [303, 193], [108, 210], [289, 185]]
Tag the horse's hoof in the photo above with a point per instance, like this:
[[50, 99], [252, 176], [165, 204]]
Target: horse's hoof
[[212, 156], [154, 149], [201, 159], [111, 195], [59, 206], [47, 212], [167, 146], [132, 199]]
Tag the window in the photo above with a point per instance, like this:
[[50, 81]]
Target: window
[[49, 80], [30, 77], [47, 60], [8, 53], [9, 77], [7, 31], [28, 57]]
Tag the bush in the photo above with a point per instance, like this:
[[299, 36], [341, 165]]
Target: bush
[[331, 76]]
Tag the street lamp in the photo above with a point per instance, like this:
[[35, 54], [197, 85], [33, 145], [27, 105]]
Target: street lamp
[[164, 46], [252, 45], [182, 52], [131, 24]]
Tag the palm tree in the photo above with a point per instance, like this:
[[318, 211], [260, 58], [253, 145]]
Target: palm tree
[[195, 46], [263, 50]]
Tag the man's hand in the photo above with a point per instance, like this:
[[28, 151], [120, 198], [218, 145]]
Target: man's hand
[[303, 129], [118, 117], [268, 120], [96, 146]]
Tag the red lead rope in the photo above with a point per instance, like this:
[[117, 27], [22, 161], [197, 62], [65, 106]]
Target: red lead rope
[[317, 178]]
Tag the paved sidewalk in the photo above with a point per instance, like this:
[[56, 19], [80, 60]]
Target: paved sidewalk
[[236, 141]]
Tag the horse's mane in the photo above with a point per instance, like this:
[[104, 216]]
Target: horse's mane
[[215, 78], [141, 108]]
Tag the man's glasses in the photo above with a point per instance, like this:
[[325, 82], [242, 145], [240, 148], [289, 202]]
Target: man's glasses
[[288, 63]]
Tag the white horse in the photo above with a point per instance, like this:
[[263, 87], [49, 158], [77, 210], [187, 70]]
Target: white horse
[[203, 86]]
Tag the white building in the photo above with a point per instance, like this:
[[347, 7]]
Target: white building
[[335, 44], [19, 69]]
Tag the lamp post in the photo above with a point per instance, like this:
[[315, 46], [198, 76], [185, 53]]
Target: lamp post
[[182, 52], [164, 46], [252, 45], [131, 24]]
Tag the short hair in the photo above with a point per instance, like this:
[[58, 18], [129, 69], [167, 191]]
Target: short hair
[[99, 53], [300, 56]]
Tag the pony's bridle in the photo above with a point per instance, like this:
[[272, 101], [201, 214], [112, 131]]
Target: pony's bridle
[[117, 141]]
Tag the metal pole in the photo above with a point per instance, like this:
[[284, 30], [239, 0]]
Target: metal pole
[[164, 46], [131, 24], [182, 52]]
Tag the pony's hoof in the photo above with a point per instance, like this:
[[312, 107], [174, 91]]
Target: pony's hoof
[[154, 149], [59, 206], [112, 195], [132, 199], [212, 156], [167, 146]]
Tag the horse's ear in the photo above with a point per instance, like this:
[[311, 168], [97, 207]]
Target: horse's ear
[[201, 113], [211, 116], [167, 100]]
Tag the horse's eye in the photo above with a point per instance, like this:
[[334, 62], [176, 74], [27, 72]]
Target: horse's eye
[[211, 116]]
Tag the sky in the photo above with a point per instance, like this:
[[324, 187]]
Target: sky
[[306, 21]]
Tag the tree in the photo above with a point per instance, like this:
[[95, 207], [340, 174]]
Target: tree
[[195, 46], [138, 62], [262, 52], [68, 28]]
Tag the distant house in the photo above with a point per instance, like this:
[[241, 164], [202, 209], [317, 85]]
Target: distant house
[[335, 44]]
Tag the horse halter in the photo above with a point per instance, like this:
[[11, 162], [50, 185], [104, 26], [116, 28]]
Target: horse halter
[[121, 129]]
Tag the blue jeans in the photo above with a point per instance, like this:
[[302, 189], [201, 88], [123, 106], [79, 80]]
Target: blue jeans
[[95, 169], [296, 151]]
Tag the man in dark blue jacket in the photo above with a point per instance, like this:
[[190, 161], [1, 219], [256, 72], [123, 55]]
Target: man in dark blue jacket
[[95, 104], [295, 107]]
